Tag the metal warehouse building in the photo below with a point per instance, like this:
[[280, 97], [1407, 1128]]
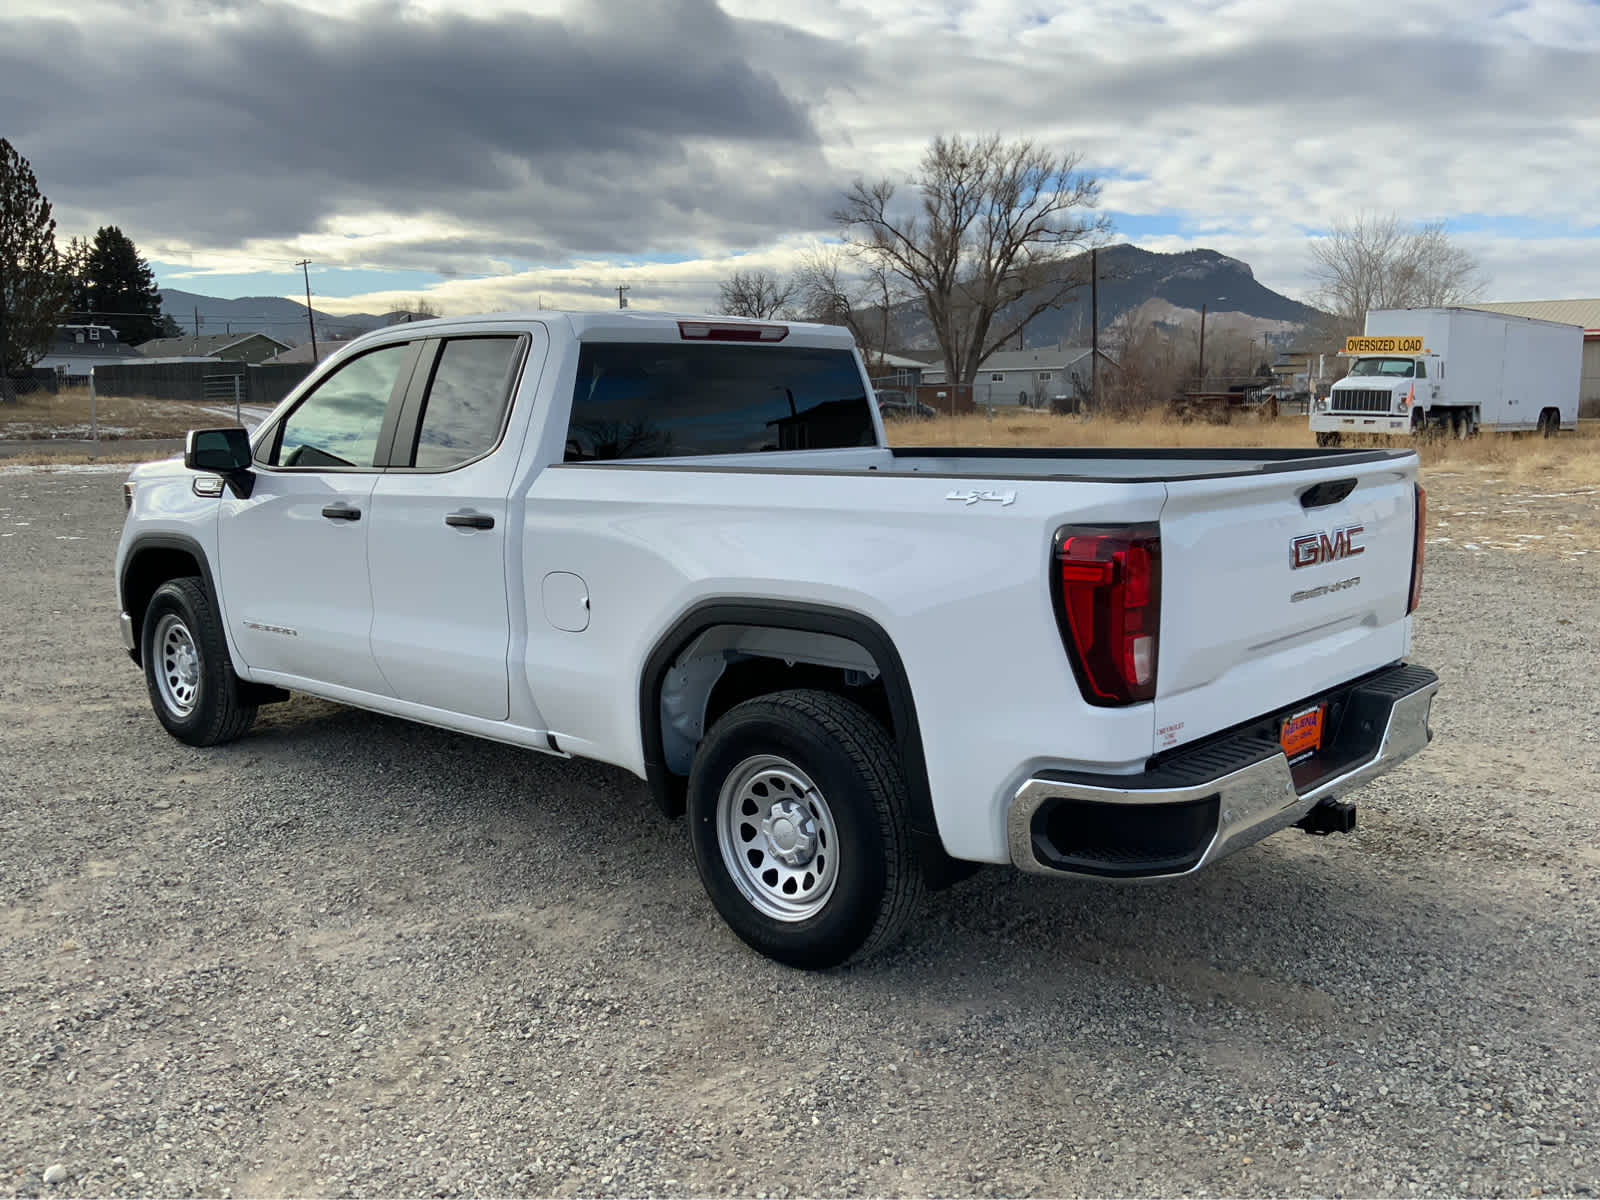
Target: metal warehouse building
[[1568, 312]]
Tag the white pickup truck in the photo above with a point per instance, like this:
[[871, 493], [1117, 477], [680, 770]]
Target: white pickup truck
[[682, 546]]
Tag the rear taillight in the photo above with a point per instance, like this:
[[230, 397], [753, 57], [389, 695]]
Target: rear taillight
[[1107, 586], [1416, 551], [716, 331]]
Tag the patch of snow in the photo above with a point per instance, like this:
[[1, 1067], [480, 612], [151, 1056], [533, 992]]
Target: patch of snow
[[125, 468]]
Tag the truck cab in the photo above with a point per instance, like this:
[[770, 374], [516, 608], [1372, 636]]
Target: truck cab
[[1383, 393]]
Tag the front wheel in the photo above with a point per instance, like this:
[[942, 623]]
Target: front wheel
[[1329, 439], [798, 816], [187, 670]]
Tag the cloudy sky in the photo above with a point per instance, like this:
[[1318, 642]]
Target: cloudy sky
[[496, 153]]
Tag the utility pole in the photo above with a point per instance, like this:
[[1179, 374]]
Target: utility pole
[[1094, 327], [622, 301], [197, 320], [1202, 347], [305, 271]]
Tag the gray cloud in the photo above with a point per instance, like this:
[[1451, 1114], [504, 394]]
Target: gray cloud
[[650, 125]]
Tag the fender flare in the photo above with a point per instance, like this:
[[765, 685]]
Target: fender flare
[[668, 790], [167, 541]]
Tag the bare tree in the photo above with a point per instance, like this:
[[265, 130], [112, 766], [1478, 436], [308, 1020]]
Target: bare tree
[[833, 290], [1150, 366], [420, 308], [1374, 262], [989, 246], [758, 294]]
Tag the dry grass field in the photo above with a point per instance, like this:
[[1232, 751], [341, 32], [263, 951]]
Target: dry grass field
[[66, 415], [1498, 492]]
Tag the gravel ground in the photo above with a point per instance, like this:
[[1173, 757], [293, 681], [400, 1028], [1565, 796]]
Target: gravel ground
[[353, 956]]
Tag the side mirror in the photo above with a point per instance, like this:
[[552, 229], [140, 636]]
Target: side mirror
[[225, 452]]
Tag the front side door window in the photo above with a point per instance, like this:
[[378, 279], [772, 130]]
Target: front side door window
[[338, 426]]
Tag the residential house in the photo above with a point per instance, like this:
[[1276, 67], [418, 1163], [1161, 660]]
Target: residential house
[[301, 355], [76, 349], [895, 370], [220, 347], [1029, 378]]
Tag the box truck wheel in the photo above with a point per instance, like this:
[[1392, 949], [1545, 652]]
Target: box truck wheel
[[1460, 426], [1329, 439], [1550, 422]]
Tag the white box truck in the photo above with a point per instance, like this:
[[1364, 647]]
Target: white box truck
[[1457, 371]]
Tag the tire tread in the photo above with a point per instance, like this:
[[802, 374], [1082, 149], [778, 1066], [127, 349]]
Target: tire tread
[[872, 753], [229, 715]]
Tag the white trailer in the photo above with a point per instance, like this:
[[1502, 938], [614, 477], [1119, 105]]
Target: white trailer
[[1454, 370]]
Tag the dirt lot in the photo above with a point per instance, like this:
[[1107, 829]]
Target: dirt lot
[[353, 956]]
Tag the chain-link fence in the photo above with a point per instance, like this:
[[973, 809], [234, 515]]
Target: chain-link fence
[[35, 383]]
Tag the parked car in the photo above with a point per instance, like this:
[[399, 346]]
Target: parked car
[[682, 545], [897, 406]]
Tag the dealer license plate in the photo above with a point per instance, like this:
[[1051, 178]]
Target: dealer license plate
[[1301, 734]]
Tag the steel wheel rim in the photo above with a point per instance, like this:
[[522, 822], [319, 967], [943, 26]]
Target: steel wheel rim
[[778, 839], [177, 665]]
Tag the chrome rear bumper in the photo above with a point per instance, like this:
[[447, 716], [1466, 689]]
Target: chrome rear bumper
[[1203, 805]]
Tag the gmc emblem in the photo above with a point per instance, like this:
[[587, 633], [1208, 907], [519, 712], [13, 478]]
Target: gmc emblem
[[1309, 549]]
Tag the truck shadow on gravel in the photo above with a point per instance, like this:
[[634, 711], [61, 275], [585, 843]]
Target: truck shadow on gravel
[[1295, 927]]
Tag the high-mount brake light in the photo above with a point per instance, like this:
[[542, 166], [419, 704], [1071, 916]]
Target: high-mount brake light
[[1106, 582], [718, 331], [1417, 550]]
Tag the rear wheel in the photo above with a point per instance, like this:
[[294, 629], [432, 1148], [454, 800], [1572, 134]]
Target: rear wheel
[[798, 817], [1329, 439], [1550, 422], [1460, 426], [187, 670]]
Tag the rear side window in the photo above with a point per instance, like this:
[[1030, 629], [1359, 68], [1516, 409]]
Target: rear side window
[[466, 404], [657, 400], [337, 425]]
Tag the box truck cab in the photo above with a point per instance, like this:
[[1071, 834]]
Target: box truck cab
[[1455, 371]]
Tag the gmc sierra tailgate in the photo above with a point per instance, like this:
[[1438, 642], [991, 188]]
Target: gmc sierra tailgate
[[1278, 586]]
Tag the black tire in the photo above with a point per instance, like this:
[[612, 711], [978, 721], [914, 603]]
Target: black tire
[[1329, 439], [873, 881], [200, 700], [1550, 422]]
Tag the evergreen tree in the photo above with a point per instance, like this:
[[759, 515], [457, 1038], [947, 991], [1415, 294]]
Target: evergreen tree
[[120, 289], [75, 263], [34, 290]]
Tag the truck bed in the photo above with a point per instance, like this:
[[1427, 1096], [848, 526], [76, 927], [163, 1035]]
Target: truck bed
[[1133, 465], [1074, 464]]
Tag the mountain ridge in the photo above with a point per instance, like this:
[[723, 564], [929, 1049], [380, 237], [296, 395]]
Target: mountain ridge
[[275, 316], [1134, 280]]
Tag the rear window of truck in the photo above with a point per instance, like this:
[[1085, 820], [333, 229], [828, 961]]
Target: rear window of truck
[[659, 400]]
